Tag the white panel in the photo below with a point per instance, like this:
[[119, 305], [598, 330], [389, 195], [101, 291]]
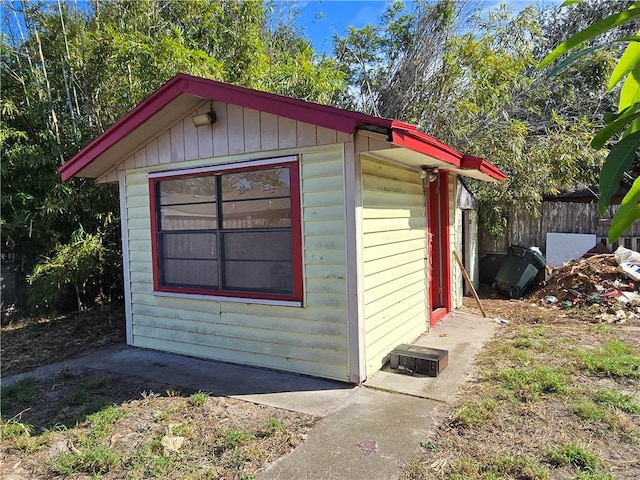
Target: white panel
[[191, 138], [287, 135], [177, 142], [220, 139], [252, 130], [164, 147], [562, 247], [205, 136], [306, 134], [235, 126], [268, 131], [152, 152], [325, 136]]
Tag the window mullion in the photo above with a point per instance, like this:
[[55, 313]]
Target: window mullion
[[219, 240]]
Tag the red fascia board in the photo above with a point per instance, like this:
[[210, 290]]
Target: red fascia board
[[314, 113], [423, 143], [123, 127], [480, 164], [329, 117]]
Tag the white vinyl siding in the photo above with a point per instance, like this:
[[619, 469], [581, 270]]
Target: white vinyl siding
[[394, 251], [311, 339]]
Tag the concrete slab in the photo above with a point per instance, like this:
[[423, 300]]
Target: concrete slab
[[308, 395], [371, 437], [463, 335]]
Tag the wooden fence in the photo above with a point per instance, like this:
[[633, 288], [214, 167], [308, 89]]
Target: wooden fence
[[529, 230]]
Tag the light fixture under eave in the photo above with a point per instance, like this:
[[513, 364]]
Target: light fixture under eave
[[430, 174], [204, 119]]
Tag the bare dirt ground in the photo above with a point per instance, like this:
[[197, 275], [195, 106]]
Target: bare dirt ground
[[30, 342]]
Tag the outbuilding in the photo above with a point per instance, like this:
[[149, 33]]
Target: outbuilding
[[263, 230]]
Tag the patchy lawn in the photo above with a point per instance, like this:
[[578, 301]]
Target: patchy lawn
[[88, 425], [557, 397]]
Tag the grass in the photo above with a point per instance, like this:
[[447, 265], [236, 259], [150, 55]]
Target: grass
[[615, 359], [19, 436], [97, 460], [20, 392], [553, 400], [531, 383], [621, 401], [272, 426], [103, 421], [198, 399], [588, 410], [574, 455], [475, 412], [233, 438], [499, 467]]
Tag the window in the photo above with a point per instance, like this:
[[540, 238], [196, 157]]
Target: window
[[233, 231]]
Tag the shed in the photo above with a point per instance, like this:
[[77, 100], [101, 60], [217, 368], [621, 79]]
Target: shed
[[279, 233]]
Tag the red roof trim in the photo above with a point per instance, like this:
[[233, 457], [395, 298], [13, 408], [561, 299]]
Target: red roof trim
[[403, 134], [423, 143], [480, 164], [316, 114]]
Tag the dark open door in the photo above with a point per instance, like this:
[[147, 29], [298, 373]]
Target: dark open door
[[438, 246]]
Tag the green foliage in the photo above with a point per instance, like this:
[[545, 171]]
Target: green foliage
[[17, 435], [589, 410], [475, 413], [77, 265], [198, 399], [18, 393], [95, 460], [625, 403], [615, 359], [498, 467], [70, 70], [468, 79], [102, 421], [233, 438], [532, 382], [626, 124], [574, 455], [272, 426]]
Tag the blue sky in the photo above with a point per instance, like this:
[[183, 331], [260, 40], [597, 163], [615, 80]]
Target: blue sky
[[321, 19]]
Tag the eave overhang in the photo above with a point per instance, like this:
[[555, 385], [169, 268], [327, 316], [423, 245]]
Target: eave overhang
[[184, 93]]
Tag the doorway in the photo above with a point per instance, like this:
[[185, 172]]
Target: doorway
[[437, 198]]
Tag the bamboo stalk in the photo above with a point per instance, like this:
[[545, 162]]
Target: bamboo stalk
[[469, 283]]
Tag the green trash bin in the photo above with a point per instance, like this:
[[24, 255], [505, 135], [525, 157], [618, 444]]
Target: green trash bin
[[519, 269]]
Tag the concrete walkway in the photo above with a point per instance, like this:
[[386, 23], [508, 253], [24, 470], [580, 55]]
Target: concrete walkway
[[367, 432]]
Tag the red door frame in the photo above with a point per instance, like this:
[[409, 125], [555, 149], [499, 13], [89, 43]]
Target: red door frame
[[439, 248]]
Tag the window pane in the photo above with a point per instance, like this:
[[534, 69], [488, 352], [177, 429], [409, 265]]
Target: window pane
[[263, 213], [188, 190], [272, 182], [189, 245], [190, 273], [273, 277], [188, 217], [258, 246]]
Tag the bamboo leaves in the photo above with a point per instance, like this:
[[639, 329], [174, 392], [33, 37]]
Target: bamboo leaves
[[624, 126]]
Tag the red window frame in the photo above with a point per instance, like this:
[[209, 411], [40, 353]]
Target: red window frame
[[296, 230]]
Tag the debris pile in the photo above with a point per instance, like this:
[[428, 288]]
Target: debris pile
[[609, 281]]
